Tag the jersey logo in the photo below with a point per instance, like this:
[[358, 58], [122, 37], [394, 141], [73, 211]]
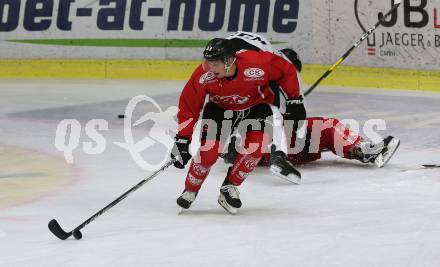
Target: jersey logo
[[230, 99], [251, 162], [208, 76], [193, 180], [253, 73], [199, 169]]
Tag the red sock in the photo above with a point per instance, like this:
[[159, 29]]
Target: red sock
[[246, 162], [201, 164], [197, 174]]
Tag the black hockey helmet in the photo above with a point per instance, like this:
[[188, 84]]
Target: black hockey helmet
[[218, 48], [293, 57]]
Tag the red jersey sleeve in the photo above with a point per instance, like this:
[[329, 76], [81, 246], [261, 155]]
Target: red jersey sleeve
[[191, 103], [284, 73]]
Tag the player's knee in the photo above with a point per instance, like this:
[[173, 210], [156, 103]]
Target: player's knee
[[208, 153], [256, 142], [207, 159]]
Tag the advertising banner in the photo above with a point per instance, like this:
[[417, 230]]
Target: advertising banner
[[179, 29]]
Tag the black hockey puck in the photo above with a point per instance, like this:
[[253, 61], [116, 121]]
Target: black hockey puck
[[77, 234], [121, 116]]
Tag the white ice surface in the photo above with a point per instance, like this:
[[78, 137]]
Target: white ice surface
[[343, 214]]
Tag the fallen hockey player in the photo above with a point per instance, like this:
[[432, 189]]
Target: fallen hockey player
[[329, 134], [282, 157]]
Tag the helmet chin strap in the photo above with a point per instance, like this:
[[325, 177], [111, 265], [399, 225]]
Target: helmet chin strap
[[228, 67]]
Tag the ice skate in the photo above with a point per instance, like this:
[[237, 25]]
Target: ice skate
[[185, 200], [281, 167], [390, 145], [229, 198], [378, 154]]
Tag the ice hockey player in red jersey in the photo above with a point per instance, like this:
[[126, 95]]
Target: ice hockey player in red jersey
[[237, 87], [329, 134], [283, 107]]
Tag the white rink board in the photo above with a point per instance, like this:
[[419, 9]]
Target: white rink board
[[320, 30]]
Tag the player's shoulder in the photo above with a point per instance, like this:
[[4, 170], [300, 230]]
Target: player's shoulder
[[199, 70], [202, 77], [256, 57], [253, 53]]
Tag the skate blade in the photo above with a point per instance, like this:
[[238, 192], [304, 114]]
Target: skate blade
[[222, 201], [181, 211], [383, 159], [290, 178]]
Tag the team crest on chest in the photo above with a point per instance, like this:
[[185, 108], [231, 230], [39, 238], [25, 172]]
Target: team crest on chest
[[254, 74]]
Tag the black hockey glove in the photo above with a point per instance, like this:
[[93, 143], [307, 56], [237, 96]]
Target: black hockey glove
[[181, 151], [295, 109], [295, 113]]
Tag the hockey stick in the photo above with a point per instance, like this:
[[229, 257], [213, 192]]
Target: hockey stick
[[430, 166], [348, 52], [56, 229], [419, 167]]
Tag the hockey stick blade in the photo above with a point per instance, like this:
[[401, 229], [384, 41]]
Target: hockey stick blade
[[421, 167], [56, 229], [429, 166]]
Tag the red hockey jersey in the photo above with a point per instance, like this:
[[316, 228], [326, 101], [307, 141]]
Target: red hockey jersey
[[249, 87]]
